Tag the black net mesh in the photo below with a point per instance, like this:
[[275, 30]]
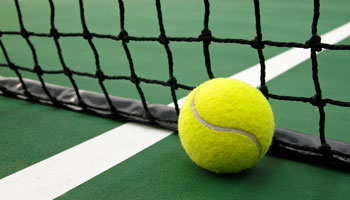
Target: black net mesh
[[286, 143]]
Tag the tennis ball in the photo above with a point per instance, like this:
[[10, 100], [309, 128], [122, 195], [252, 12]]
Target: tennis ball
[[226, 125]]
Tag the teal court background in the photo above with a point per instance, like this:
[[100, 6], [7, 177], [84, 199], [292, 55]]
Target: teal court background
[[31, 133]]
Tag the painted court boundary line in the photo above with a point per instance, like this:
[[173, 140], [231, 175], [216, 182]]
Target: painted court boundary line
[[62, 172]]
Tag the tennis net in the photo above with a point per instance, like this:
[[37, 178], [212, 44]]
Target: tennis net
[[286, 143]]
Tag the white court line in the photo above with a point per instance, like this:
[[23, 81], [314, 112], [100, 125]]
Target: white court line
[[60, 173], [285, 61]]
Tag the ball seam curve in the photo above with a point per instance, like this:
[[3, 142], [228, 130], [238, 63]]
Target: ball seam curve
[[223, 129]]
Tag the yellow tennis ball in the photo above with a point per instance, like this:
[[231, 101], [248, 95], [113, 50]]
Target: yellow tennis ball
[[226, 125]]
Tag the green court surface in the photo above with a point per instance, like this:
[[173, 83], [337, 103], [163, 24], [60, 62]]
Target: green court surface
[[31, 133]]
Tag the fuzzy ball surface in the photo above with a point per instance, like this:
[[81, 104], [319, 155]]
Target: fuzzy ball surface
[[226, 125]]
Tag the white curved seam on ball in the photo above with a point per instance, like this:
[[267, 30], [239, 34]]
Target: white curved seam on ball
[[223, 129]]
